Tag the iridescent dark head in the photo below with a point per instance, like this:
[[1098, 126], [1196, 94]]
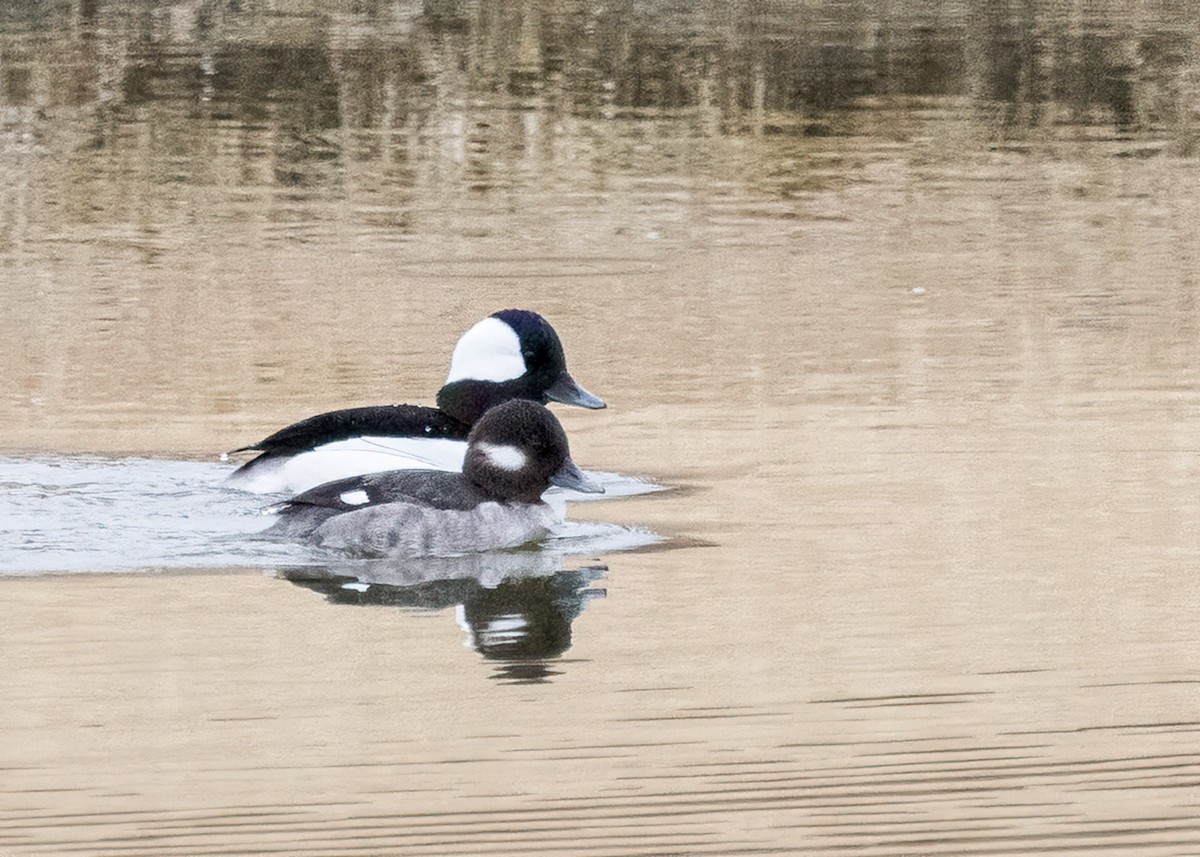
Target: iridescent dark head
[[511, 354], [519, 449]]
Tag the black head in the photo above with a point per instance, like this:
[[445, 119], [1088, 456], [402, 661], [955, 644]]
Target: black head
[[517, 450], [511, 354]]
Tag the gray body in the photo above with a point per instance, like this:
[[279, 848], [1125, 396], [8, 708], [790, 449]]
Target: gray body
[[515, 452], [409, 529]]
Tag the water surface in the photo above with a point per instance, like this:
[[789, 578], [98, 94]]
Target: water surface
[[899, 299]]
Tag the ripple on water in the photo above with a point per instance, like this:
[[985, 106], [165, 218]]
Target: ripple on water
[[93, 514]]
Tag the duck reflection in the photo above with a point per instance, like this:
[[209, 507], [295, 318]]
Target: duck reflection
[[516, 608]]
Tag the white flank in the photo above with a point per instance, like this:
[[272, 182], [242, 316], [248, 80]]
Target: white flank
[[503, 456], [354, 457], [489, 351], [355, 498]]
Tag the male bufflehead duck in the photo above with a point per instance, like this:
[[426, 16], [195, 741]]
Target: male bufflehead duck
[[514, 453], [511, 354]]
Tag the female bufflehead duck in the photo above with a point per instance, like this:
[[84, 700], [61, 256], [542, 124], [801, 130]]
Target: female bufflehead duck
[[512, 354], [514, 453]]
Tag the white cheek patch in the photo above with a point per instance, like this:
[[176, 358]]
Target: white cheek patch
[[354, 498], [504, 457], [489, 351]]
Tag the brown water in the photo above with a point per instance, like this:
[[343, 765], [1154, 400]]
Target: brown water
[[904, 305]]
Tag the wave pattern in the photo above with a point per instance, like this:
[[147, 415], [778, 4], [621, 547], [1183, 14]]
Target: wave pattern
[[1119, 788]]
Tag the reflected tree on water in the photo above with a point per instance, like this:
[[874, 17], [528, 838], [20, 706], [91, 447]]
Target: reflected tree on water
[[411, 112]]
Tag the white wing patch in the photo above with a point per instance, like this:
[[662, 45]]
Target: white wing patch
[[503, 456], [489, 351], [355, 498]]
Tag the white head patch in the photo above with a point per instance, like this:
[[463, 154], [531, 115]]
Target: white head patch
[[355, 498], [489, 351], [503, 456]]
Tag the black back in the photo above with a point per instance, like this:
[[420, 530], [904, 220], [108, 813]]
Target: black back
[[437, 489], [386, 420]]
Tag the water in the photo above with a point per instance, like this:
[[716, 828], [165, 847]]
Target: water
[[898, 299], [122, 514]]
